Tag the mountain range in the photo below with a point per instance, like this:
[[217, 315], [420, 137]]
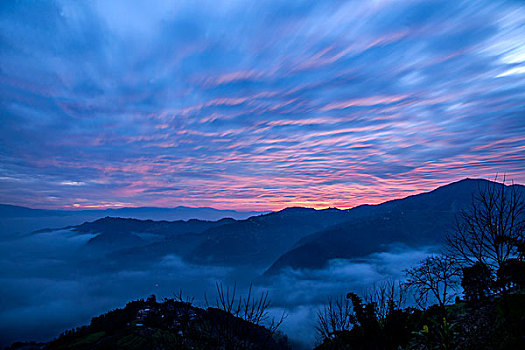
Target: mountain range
[[291, 238], [17, 219], [153, 213]]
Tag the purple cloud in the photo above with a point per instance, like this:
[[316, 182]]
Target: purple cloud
[[256, 106]]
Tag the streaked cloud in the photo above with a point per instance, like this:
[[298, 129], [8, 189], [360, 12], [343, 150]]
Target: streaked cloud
[[256, 106]]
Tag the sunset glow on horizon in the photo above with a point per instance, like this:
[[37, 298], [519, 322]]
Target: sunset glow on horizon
[[256, 105]]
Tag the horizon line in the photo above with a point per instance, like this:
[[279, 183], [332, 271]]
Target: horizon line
[[104, 207]]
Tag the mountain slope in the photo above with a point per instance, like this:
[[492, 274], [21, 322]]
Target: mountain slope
[[260, 240], [417, 220], [256, 241], [118, 233]]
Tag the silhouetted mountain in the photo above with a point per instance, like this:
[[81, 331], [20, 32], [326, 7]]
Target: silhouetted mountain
[[180, 213], [293, 237], [16, 219], [119, 233], [15, 211], [112, 225], [422, 219], [151, 213], [260, 240], [256, 241]]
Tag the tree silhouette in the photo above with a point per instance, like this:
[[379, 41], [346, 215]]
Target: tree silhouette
[[229, 307], [491, 229], [335, 317], [436, 276], [476, 282], [511, 273]]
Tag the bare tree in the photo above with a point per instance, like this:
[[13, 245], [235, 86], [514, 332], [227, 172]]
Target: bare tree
[[254, 310], [341, 314], [436, 277], [179, 296], [249, 308], [335, 317], [491, 229], [387, 295]]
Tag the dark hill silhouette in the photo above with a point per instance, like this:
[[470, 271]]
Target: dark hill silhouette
[[121, 232], [170, 324], [416, 220], [115, 226], [260, 240], [16, 220], [256, 241]]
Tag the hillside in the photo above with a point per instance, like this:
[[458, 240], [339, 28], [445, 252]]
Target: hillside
[[170, 324], [90, 268], [259, 240], [418, 220]]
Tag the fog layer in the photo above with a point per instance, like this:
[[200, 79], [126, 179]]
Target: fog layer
[[49, 283]]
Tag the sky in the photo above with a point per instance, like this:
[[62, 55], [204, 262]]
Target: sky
[[256, 105]]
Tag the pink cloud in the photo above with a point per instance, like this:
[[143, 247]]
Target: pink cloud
[[364, 102]]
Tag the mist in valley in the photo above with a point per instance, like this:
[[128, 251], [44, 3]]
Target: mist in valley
[[51, 282]]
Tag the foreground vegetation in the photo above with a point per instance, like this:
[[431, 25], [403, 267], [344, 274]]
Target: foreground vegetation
[[463, 325], [485, 255]]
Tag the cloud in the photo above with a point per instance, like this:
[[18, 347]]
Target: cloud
[[229, 103], [50, 283], [72, 183]]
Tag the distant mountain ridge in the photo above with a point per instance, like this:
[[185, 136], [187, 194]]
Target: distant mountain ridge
[[152, 213], [12, 211], [256, 241], [15, 220], [294, 237], [125, 232]]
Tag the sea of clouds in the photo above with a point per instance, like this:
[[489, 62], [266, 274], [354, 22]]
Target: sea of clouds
[[49, 284]]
